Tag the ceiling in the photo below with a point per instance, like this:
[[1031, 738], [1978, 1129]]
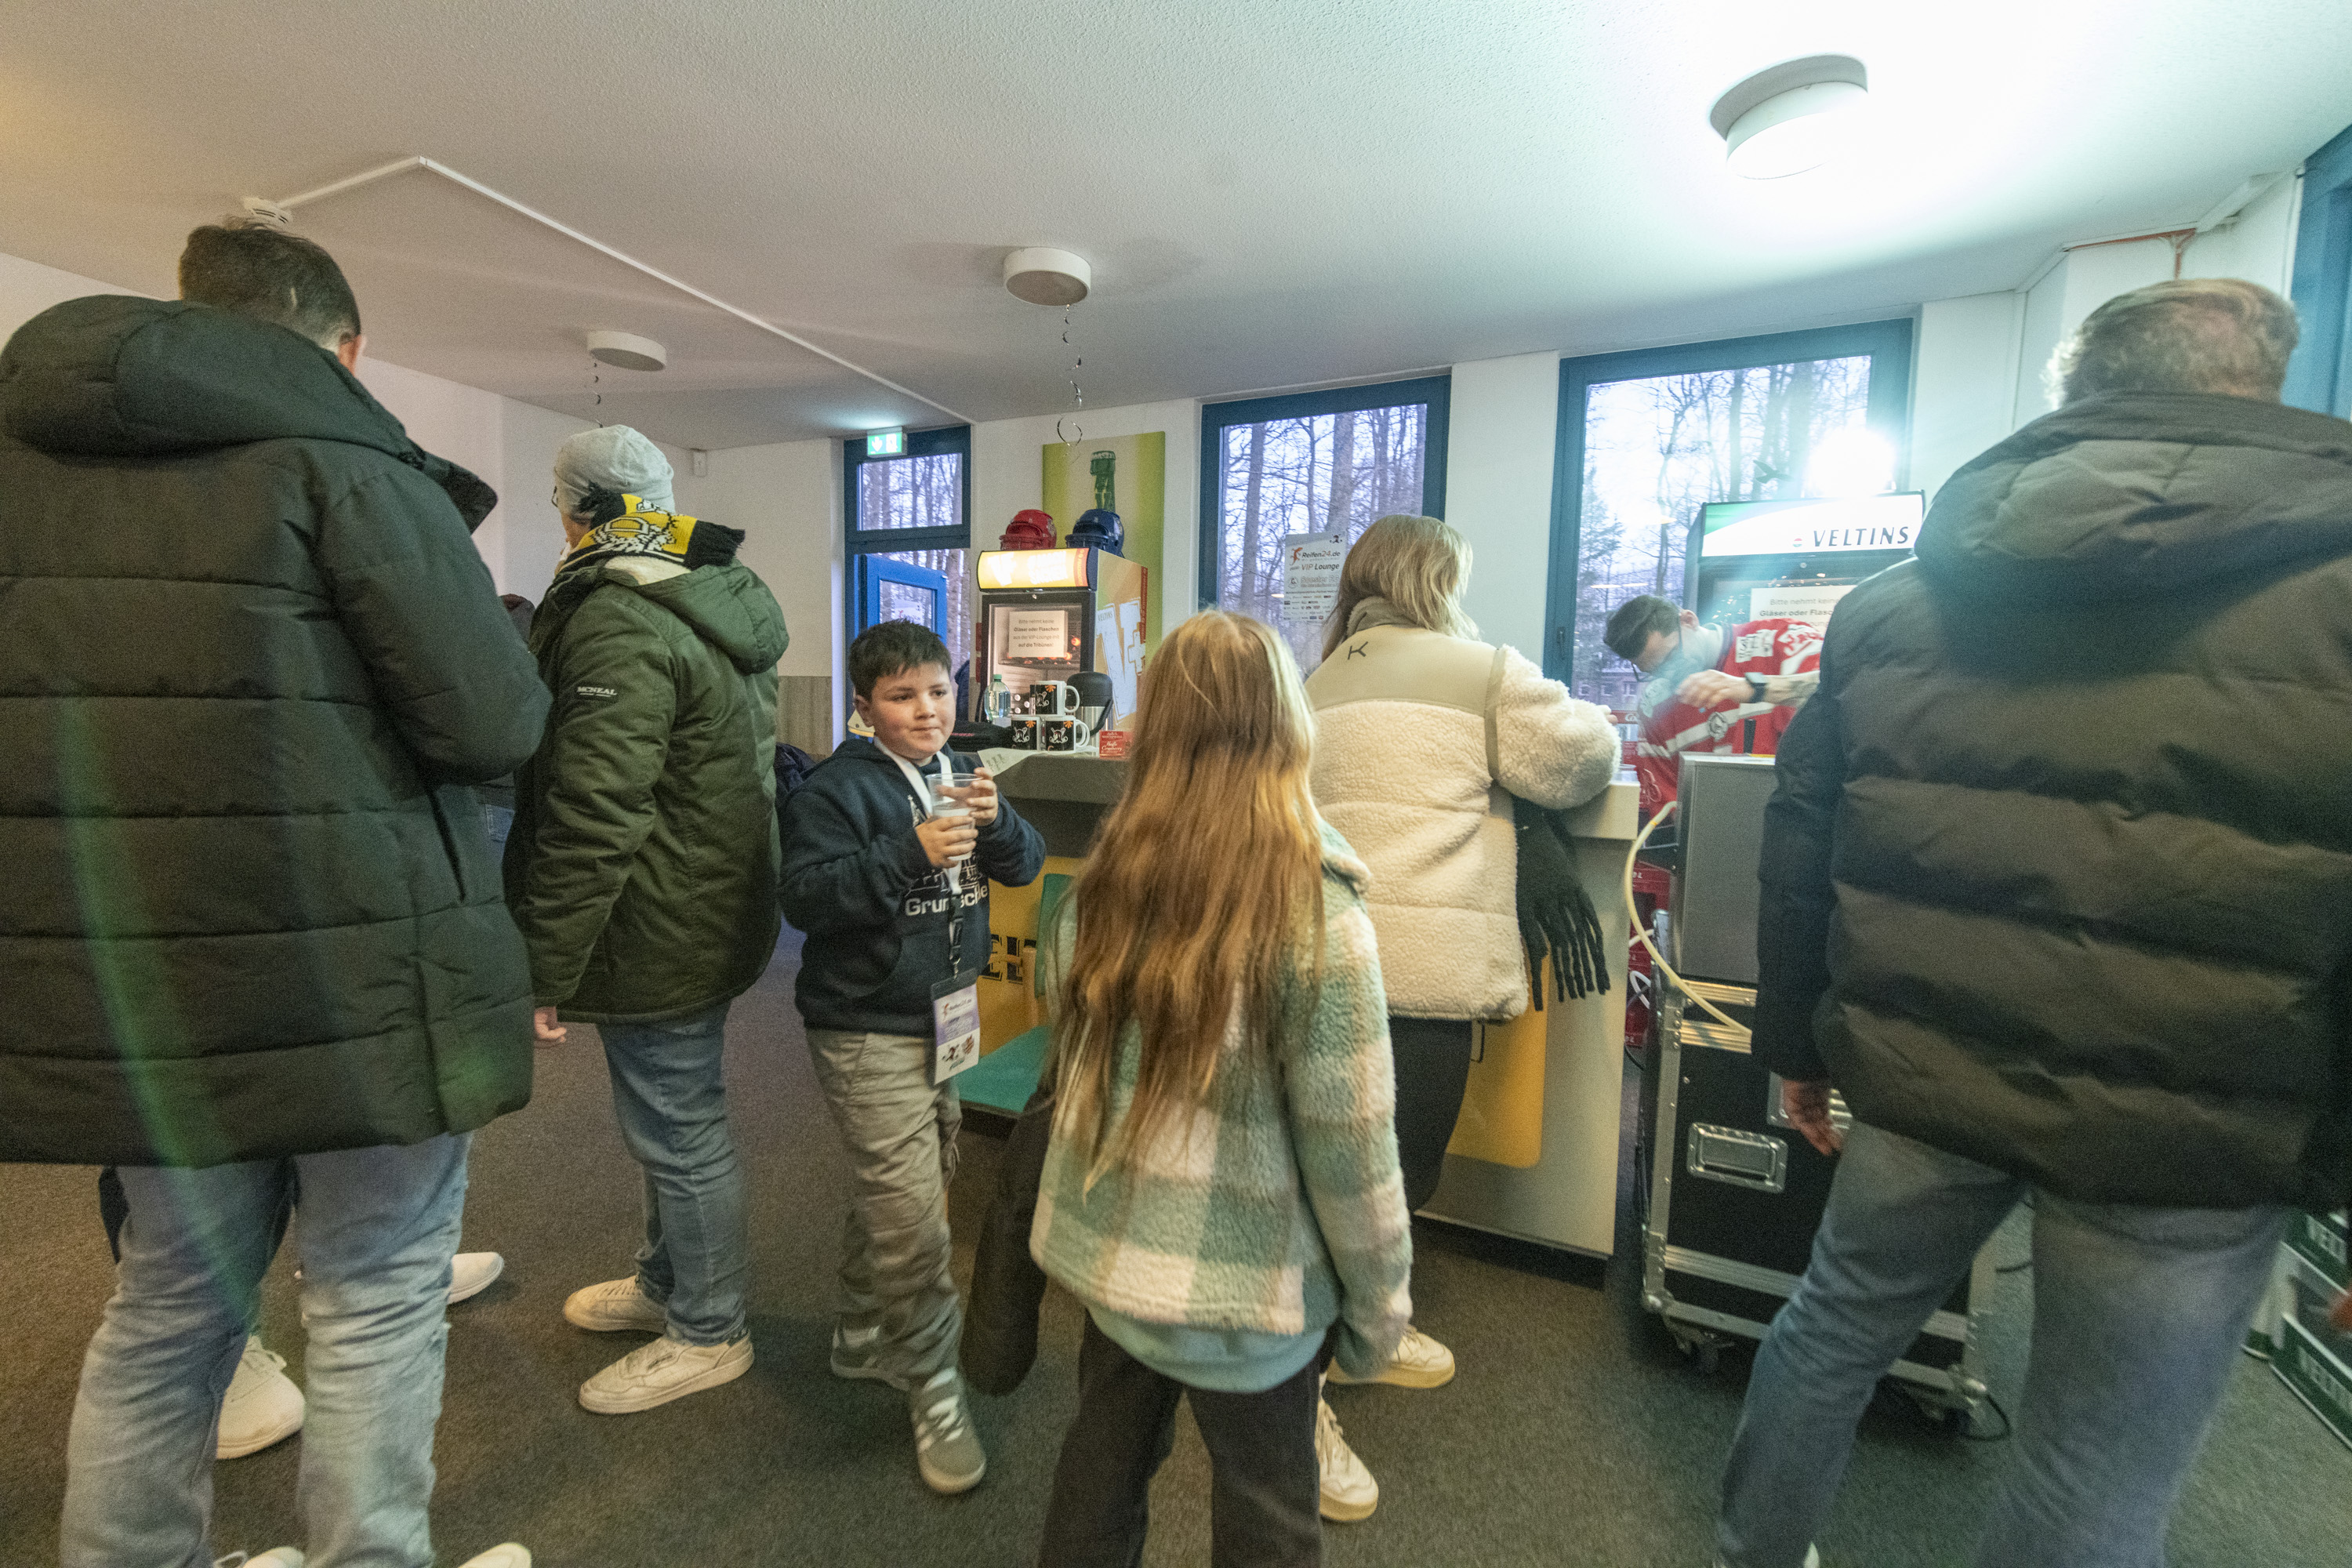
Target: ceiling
[[1275, 194]]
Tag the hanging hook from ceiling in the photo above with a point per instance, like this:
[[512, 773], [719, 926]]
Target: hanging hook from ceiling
[[1077, 392]]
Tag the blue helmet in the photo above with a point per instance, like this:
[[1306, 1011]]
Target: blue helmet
[[1100, 529]]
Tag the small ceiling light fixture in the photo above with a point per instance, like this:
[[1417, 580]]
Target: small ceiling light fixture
[[1044, 275], [1792, 116], [627, 351]]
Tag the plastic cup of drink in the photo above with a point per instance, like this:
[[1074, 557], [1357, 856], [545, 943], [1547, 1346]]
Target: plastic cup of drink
[[952, 794]]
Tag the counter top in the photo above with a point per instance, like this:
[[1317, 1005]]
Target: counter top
[[1614, 813], [1077, 776]]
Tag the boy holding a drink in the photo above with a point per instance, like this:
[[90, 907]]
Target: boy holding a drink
[[888, 850]]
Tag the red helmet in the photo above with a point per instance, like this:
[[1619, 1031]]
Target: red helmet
[[1031, 530]]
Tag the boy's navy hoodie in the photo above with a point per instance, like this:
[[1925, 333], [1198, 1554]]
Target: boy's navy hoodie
[[875, 910]]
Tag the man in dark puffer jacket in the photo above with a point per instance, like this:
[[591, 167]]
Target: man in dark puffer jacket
[[2058, 892], [250, 929]]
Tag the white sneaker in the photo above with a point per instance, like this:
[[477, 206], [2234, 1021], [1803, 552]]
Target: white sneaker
[[471, 1273], [262, 1406], [507, 1556], [1350, 1493], [1420, 1363], [276, 1557], [947, 1450], [664, 1370], [614, 1306]]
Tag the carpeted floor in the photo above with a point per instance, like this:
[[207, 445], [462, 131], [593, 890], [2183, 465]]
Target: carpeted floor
[[1573, 1436]]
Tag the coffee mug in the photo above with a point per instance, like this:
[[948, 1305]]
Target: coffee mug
[[1061, 733], [1024, 732]]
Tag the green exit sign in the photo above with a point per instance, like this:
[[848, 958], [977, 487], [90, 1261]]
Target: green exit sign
[[886, 442]]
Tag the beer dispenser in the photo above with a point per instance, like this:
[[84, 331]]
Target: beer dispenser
[[1048, 614]]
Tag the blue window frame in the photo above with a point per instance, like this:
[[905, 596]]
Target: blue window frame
[[2319, 377], [891, 588], [1311, 462], [1779, 393], [907, 528]]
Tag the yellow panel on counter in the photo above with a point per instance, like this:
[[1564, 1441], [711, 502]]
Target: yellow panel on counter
[[1503, 1108], [1009, 1003]]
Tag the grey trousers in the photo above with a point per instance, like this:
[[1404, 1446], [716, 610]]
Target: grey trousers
[[899, 1133]]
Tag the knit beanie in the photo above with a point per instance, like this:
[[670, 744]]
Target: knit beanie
[[612, 458]]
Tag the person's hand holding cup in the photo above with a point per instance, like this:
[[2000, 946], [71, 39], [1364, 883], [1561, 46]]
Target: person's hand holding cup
[[976, 790], [950, 832]]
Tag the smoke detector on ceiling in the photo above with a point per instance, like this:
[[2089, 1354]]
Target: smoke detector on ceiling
[[257, 212], [1044, 275], [627, 351], [1793, 117]]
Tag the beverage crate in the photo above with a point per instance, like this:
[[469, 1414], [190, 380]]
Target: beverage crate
[[2320, 1239]]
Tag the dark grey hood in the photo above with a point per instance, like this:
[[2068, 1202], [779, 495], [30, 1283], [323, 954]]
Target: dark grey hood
[[2136, 495], [114, 375]]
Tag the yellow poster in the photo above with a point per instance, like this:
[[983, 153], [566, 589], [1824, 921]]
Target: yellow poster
[[1125, 474]]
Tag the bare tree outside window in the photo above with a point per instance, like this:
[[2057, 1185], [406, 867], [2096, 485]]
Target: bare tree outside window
[[921, 492], [1325, 473], [911, 493], [1658, 449]]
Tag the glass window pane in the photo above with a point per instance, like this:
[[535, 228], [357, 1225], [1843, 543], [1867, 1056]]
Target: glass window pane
[[910, 492], [958, 634], [906, 602], [1327, 473], [1658, 449]]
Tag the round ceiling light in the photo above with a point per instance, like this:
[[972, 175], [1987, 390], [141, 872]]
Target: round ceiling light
[[627, 351], [1044, 275], [1793, 117]]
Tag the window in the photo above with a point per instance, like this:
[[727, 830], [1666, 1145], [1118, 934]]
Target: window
[[1648, 437], [2319, 377], [1319, 462], [907, 521]]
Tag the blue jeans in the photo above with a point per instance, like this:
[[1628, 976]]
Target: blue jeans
[[2138, 1314], [378, 1229], [671, 1101]]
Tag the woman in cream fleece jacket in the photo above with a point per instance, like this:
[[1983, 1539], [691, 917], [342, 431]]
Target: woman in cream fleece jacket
[[1409, 768]]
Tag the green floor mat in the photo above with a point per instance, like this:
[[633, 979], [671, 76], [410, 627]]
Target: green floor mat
[[1005, 1077]]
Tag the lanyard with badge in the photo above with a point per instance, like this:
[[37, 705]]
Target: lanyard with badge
[[955, 1001]]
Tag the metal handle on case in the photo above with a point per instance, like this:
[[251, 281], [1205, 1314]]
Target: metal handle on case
[[1738, 1158]]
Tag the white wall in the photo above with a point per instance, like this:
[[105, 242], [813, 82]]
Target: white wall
[[27, 289], [786, 498], [1963, 381], [2259, 246], [1502, 426]]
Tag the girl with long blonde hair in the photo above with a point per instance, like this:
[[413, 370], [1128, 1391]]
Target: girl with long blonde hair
[[1220, 1188]]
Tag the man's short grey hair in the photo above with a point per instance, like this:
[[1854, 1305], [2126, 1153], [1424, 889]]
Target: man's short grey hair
[[2189, 334]]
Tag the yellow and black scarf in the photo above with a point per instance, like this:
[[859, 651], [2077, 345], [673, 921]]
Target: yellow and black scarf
[[626, 526]]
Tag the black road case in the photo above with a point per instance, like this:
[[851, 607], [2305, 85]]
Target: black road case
[[1732, 1194]]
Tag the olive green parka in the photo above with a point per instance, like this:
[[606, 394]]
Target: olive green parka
[[642, 864]]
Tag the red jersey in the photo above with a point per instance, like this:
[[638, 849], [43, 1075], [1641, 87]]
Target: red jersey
[[1671, 727]]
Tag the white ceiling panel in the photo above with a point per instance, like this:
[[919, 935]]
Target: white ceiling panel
[[1275, 194]]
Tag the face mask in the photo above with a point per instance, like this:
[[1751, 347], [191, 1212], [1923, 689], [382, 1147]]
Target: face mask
[[1693, 651]]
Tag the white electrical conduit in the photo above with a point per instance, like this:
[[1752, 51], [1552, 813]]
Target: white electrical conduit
[[1656, 957], [403, 165]]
